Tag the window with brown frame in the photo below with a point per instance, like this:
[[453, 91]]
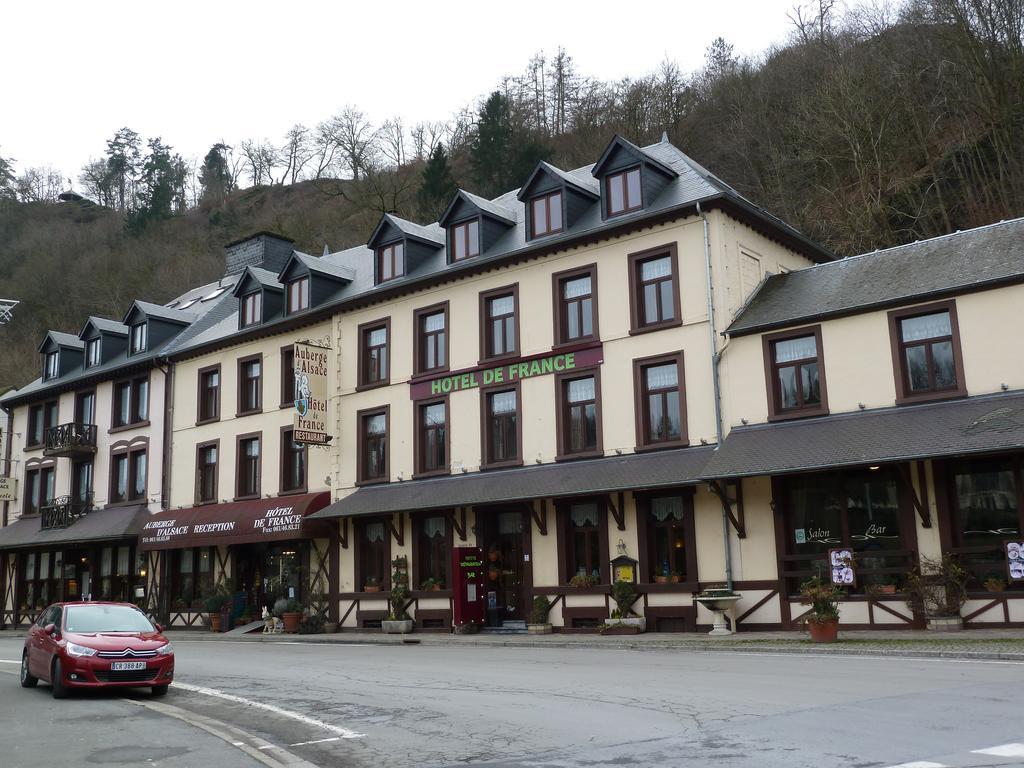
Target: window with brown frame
[[207, 459], [250, 385], [433, 551], [622, 191], [139, 338], [209, 394], [546, 215], [586, 540], [373, 554], [247, 484], [499, 311], [252, 309], [85, 407], [293, 463], [298, 295], [576, 305], [191, 576], [432, 438], [926, 352], [372, 450], [131, 402], [431, 339], [502, 427], [390, 261], [465, 239], [51, 365], [667, 522], [654, 289], [796, 374], [661, 401], [92, 353], [374, 358], [288, 376], [39, 489], [81, 481], [579, 416], [128, 475], [41, 418]]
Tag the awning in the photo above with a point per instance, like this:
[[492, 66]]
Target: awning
[[984, 424], [241, 522], [636, 471], [99, 525]]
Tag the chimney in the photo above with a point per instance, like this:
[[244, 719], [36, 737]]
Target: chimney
[[262, 249]]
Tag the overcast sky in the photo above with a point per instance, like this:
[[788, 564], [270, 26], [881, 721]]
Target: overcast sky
[[197, 72]]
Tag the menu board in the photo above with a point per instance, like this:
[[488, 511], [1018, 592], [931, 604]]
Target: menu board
[[1015, 560], [841, 566]]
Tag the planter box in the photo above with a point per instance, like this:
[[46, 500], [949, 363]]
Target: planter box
[[403, 627], [538, 629], [945, 623], [632, 625]]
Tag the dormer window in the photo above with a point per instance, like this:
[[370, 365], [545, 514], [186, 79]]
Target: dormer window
[[546, 214], [92, 353], [298, 295], [465, 240], [50, 368], [391, 261], [252, 308], [622, 191], [138, 339]]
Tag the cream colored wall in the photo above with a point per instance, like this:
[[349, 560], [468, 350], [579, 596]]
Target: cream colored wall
[[858, 358], [186, 435]]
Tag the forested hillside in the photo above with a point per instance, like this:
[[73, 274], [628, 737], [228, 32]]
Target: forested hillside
[[864, 130]]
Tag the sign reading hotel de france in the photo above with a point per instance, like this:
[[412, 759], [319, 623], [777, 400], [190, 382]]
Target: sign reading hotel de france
[[310, 365], [523, 368]]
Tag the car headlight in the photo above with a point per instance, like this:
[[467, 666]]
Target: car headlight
[[165, 650], [74, 649]]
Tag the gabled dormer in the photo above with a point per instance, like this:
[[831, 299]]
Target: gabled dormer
[[400, 246], [630, 178], [309, 281], [104, 339], [151, 325], [472, 225], [62, 353], [554, 200], [260, 297]]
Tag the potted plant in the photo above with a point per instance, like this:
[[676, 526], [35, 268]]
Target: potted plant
[[214, 603], [179, 605], [823, 618], [432, 585], [312, 624], [581, 580], [398, 621], [539, 624], [995, 584], [372, 584], [290, 612], [675, 577], [937, 589], [623, 619], [197, 605]]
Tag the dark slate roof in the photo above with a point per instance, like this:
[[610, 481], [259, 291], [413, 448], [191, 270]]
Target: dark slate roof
[[326, 267], [633, 149], [582, 182], [962, 261], [982, 424], [485, 205], [161, 312], [99, 525], [637, 471], [104, 325], [64, 339]]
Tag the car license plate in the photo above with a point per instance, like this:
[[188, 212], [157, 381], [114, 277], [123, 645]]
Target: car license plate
[[121, 666]]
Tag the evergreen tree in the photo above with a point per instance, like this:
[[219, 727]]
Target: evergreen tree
[[161, 184], [501, 154], [438, 187], [215, 175], [124, 153], [7, 179]]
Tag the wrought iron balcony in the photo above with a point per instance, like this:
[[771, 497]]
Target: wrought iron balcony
[[70, 440], [64, 510]]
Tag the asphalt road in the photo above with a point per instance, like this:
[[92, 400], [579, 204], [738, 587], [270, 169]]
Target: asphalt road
[[346, 705]]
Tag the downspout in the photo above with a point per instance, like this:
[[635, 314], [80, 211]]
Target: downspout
[[715, 360], [7, 454], [165, 485]]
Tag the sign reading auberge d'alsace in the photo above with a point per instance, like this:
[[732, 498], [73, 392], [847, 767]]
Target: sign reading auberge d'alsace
[[7, 488], [310, 423], [524, 368]]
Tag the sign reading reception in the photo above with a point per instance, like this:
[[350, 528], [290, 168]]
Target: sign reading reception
[[310, 364], [523, 368]]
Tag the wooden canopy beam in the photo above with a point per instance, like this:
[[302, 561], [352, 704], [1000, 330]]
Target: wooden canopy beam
[[540, 517], [733, 505], [618, 511], [922, 509]]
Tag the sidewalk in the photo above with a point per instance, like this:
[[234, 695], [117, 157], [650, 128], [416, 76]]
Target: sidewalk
[[980, 644]]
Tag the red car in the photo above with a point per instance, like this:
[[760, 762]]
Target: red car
[[96, 645]]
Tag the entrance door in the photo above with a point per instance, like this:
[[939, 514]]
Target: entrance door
[[502, 541], [267, 573]]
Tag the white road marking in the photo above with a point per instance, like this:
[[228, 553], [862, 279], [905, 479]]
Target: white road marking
[[344, 733], [318, 741], [920, 764], [5, 672], [269, 746], [1003, 750], [8, 661]]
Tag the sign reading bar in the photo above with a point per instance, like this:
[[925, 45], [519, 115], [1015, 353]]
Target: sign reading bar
[[310, 423], [525, 368], [7, 488]]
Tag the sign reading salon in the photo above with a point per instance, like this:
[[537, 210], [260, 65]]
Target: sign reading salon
[[310, 421]]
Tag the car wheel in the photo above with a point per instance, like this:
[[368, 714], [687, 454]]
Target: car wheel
[[60, 691], [159, 690], [27, 681]]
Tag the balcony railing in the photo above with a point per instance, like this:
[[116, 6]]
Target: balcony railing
[[70, 440], [64, 510]]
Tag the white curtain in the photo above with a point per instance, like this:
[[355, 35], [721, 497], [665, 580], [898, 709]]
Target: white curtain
[[925, 327], [662, 376], [577, 287], [434, 526], [796, 349], [583, 514], [667, 506], [656, 268], [375, 531]]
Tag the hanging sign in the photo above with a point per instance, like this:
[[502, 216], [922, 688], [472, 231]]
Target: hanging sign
[[7, 488], [841, 566], [1015, 560], [310, 421]]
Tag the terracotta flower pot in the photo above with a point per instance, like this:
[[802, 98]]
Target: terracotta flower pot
[[887, 589], [661, 579], [436, 588], [371, 588], [215, 622], [291, 622], [823, 631], [675, 579]]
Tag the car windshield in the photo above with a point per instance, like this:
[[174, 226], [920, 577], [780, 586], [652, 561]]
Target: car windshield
[[106, 618]]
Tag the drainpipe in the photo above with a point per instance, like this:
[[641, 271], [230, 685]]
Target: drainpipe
[[715, 360], [7, 455], [165, 486]]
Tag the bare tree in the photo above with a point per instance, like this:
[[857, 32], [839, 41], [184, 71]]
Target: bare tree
[[426, 136], [261, 157], [297, 152], [354, 138], [391, 141]]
